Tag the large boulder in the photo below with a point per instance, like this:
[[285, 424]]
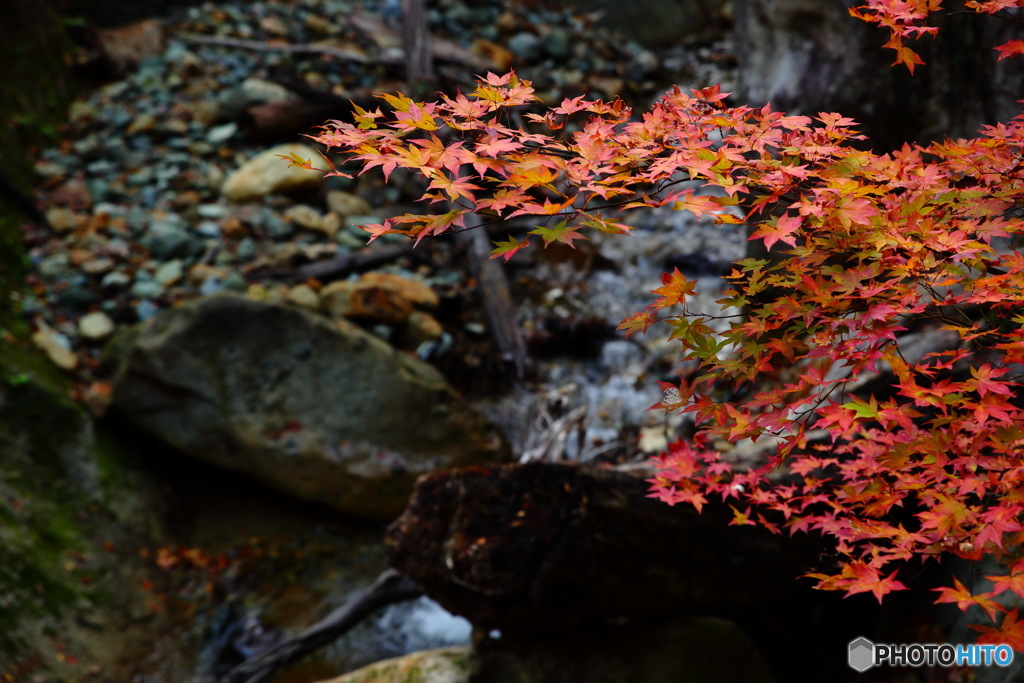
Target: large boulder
[[548, 546], [540, 551], [320, 410], [808, 56]]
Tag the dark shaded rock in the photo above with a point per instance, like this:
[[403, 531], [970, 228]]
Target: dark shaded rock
[[807, 56], [695, 263], [672, 650], [540, 550], [543, 546], [581, 337], [320, 410]]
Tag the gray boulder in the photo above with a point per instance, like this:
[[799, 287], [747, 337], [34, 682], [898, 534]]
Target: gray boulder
[[320, 410]]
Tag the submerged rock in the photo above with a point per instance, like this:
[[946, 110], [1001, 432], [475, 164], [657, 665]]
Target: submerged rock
[[323, 411]]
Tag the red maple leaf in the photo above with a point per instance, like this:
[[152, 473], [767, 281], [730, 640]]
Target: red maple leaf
[[867, 579], [1010, 632]]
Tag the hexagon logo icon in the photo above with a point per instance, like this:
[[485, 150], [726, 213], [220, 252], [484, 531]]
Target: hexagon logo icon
[[862, 654]]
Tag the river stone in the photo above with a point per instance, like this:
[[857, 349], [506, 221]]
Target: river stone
[[305, 296], [267, 173], [347, 204], [95, 326], [305, 216], [443, 665], [125, 47], [56, 348], [318, 409]]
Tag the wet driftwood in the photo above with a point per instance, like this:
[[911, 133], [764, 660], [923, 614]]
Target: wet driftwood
[[542, 546], [389, 588], [494, 294]]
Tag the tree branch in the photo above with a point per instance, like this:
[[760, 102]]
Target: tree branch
[[389, 588]]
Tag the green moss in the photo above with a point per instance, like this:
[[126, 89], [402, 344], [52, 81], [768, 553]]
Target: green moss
[[41, 431], [21, 363], [39, 539]]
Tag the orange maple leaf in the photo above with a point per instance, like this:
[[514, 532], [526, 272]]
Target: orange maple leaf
[[965, 599], [1013, 582]]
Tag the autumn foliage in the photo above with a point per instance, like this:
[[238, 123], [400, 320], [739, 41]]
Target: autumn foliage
[[893, 449]]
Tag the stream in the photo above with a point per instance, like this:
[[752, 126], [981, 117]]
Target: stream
[[139, 225]]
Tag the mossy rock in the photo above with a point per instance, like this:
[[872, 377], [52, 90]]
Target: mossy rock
[[68, 503]]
